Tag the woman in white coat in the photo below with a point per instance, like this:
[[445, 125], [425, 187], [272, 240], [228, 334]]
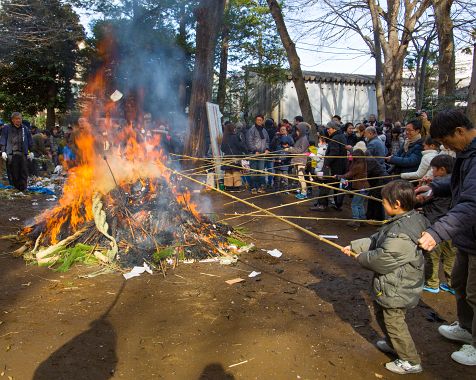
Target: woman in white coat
[[430, 150]]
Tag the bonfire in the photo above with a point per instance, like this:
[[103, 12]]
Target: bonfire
[[121, 205]]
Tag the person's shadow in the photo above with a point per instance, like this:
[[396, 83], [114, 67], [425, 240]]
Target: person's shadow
[[345, 293], [215, 371], [88, 356]]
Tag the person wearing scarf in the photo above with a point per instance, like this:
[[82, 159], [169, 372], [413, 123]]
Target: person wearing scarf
[[409, 156]]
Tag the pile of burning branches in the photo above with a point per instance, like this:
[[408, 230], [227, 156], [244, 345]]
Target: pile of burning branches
[[145, 221]]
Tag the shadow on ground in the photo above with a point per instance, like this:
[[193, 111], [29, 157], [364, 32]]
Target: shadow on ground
[[215, 371], [90, 355]]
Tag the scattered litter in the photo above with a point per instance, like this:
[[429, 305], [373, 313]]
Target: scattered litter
[[234, 281], [228, 260], [210, 260], [210, 275], [188, 261], [169, 261], [13, 218], [34, 204], [378, 375], [116, 96], [137, 271], [229, 233], [240, 363], [196, 191], [329, 236], [275, 253], [254, 274], [27, 284], [111, 293]]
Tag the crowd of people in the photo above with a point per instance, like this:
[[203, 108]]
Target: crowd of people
[[362, 157], [419, 178]]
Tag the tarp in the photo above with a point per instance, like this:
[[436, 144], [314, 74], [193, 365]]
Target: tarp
[[33, 189]]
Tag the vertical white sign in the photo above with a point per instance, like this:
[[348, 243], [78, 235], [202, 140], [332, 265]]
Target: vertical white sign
[[216, 134]]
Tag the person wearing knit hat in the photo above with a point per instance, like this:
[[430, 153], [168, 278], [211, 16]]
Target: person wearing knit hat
[[360, 145]]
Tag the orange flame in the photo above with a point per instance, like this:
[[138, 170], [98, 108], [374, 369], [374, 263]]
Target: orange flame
[[131, 158]]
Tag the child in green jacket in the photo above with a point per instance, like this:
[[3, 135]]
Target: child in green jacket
[[397, 262]]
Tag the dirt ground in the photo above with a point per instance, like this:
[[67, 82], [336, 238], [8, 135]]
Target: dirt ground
[[307, 316]]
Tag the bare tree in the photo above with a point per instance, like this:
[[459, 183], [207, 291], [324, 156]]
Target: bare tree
[[294, 64], [471, 108], [395, 36], [446, 58], [209, 14], [422, 43]]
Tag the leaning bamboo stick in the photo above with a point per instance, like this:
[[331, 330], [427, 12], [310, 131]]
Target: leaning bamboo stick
[[270, 155], [297, 203], [315, 185], [264, 195], [302, 229], [309, 182], [368, 221]]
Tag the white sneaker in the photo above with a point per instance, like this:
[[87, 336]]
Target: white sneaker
[[466, 355], [455, 332], [383, 346], [402, 367]]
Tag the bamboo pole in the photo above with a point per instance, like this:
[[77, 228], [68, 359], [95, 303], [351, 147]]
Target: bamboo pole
[[308, 182], [299, 202], [332, 183], [368, 221], [302, 229], [261, 156]]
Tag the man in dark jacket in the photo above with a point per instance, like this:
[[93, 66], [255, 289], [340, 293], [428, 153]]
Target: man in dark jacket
[[409, 156], [15, 143], [335, 163], [257, 142], [375, 146], [456, 132]]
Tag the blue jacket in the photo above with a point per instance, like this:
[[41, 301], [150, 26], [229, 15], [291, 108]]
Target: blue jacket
[[459, 224], [27, 139], [376, 148], [407, 162]]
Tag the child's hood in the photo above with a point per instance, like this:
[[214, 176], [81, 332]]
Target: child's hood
[[412, 224]]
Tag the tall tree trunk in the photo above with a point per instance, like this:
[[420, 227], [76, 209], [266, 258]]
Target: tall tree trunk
[[294, 64], [446, 58], [392, 88], [50, 109], [209, 16], [225, 40], [471, 109], [420, 77], [379, 78]]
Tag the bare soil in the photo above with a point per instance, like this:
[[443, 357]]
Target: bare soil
[[307, 316]]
